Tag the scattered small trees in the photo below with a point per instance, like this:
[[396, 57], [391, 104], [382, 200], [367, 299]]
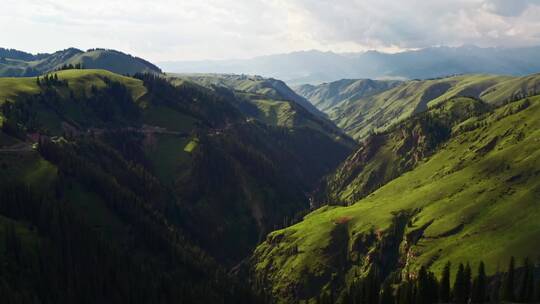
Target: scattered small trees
[[77, 66], [49, 80]]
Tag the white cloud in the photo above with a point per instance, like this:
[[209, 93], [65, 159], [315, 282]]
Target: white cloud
[[195, 29]]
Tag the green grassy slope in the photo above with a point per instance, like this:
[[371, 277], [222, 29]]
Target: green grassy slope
[[387, 155], [78, 81], [360, 116], [326, 96], [111, 60], [475, 199]]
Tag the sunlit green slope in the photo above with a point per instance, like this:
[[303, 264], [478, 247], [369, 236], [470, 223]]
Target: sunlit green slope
[[476, 198], [386, 155], [78, 81], [363, 115]]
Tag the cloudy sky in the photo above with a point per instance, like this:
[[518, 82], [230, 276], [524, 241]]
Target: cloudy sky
[[162, 30]]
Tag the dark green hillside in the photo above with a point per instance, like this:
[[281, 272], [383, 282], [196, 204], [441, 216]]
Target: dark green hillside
[[83, 217], [458, 183], [268, 87], [15, 63], [244, 175], [175, 176], [270, 102]]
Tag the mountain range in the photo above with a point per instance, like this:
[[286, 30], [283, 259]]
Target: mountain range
[[315, 67], [159, 187]]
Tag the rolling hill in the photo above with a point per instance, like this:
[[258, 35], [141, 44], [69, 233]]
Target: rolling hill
[[15, 63], [458, 182], [362, 115]]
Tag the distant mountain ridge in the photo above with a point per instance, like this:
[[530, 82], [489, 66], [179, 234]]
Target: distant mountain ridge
[[329, 95], [316, 67], [360, 112], [15, 63]]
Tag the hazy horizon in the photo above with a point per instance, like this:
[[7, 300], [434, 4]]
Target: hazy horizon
[[220, 29]]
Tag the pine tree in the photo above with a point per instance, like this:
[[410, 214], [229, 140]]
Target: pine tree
[[508, 286], [13, 243], [347, 298], [537, 296], [357, 291], [433, 288], [526, 288], [387, 296], [423, 287], [468, 278], [479, 288], [494, 290], [372, 287], [445, 284], [405, 293], [531, 285], [459, 292]]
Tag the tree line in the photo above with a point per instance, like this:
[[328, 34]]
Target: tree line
[[516, 285], [50, 80], [77, 66]]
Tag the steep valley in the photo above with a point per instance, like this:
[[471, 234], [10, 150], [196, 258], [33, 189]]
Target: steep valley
[[223, 188], [473, 197], [176, 176]]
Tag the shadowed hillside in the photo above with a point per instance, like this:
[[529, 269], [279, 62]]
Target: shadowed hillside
[[176, 176]]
